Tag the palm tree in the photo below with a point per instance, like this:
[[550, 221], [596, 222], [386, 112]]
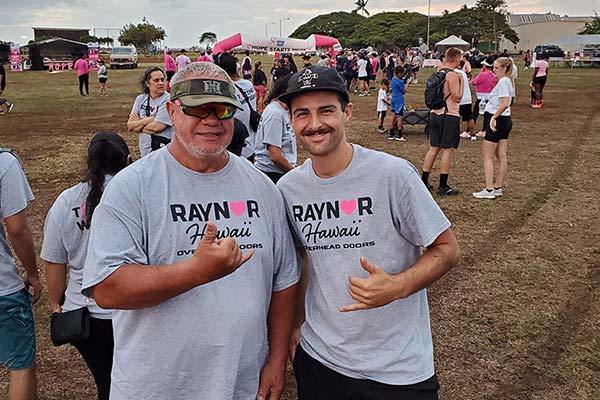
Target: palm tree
[[361, 5]]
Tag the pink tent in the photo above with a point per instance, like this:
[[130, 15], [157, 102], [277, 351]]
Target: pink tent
[[275, 44]]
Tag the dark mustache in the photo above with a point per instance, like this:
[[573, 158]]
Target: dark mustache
[[310, 132]]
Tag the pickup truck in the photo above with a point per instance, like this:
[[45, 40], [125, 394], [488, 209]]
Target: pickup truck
[[123, 56]]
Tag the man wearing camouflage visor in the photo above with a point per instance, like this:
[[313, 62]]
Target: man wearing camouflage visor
[[191, 248]]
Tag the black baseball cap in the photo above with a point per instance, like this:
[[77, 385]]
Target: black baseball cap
[[312, 79]]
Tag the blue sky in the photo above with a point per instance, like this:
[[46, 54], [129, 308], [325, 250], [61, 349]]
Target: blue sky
[[185, 20]]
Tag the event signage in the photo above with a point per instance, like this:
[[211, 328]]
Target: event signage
[[93, 55], [16, 62], [275, 44]]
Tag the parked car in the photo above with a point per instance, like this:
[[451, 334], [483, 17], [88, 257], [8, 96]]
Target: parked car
[[477, 59], [549, 50], [123, 56]]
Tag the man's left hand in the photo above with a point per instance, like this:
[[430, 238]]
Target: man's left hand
[[272, 379], [379, 289]]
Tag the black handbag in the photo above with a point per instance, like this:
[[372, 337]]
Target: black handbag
[[158, 142], [70, 326], [254, 115]]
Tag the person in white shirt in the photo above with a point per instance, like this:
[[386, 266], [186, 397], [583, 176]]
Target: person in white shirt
[[497, 112], [182, 60], [382, 104]]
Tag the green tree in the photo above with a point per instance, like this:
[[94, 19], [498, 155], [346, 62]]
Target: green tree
[[339, 25], [591, 28], [389, 29], [493, 20], [88, 39], [361, 5], [106, 40], [208, 39], [141, 35]]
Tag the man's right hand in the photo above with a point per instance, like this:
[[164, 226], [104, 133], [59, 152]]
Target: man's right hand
[[294, 342], [217, 258]]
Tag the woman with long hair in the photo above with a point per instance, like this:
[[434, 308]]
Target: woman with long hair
[[276, 150], [539, 78], [149, 117], [498, 125], [259, 80], [66, 235]]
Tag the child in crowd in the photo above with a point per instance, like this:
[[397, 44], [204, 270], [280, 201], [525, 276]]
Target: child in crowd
[[382, 104], [102, 77], [397, 106]]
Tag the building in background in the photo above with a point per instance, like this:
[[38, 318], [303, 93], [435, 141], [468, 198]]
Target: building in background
[[536, 29]]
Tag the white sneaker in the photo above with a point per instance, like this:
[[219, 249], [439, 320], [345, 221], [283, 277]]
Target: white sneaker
[[484, 194], [480, 134], [465, 135], [401, 139], [498, 192], [473, 138]]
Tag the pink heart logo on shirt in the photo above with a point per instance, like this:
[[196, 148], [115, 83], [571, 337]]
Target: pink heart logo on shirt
[[348, 206], [238, 208]]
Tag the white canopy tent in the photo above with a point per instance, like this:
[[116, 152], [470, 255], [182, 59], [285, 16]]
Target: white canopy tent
[[453, 41]]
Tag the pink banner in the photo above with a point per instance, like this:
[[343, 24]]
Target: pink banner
[[16, 62], [93, 55]]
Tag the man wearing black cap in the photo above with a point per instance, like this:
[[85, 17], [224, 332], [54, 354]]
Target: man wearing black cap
[[365, 332], [191, 248]]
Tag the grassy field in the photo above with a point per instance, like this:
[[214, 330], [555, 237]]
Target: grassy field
[[517, 319]]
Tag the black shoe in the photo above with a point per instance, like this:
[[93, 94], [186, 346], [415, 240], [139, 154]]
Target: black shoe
[[392, 136], [447, 191]]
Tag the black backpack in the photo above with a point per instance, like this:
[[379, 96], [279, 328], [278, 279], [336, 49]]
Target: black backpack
[[434, 90]]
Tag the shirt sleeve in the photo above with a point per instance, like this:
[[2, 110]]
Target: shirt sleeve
[[162, 115], [136, 105], [287, 269], [417, 216], [53, 247], [116, 235], [273, 127], [14, 189], [504, 88]]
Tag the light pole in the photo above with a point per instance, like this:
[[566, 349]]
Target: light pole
[[282, 19], [267, 27], [428, 17]]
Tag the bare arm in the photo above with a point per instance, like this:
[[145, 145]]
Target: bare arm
[[300, 313], [136, 124], [276, 155], [281, 315], [56, 278], [22, 241], [381, 288], [135, 286], [154, 127], [455, 86]]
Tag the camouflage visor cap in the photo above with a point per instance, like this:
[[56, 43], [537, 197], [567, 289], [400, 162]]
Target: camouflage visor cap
[[197, 92]]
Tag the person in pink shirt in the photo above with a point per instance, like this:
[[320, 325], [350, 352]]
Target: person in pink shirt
[[203, 57], [182, 60], [540, 74], [83, 74], [484, 82], [170, 68]]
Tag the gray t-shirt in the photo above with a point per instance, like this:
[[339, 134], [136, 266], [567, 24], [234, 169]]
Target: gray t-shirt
[[275, 129], [145, 106], [66, 235], [15, 193], [211, 341], [244, 114], [387, 220]]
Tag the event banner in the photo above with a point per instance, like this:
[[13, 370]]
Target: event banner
[[275, 44], [93, 55], [16, 62]]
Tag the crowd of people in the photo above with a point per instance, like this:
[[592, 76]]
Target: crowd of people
[[211, 260]]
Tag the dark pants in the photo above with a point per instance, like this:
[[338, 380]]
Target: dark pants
[[274, 176], [84, 80], [317, 382], [97, 351]]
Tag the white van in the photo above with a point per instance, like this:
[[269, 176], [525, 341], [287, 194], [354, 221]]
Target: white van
[[123, 56]]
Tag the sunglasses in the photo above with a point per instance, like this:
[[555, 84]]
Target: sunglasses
[[222, 111]]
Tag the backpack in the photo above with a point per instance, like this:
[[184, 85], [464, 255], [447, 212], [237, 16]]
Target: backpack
[[254, 115], [434, 90], [369, 68]]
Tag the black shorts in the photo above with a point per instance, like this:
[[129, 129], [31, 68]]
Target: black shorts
[[381, 115], [475, 113], [465, 111], [170, 75], [540, 80], [318, 382], [444, 131], [102, 80], [503, 127], [364, 78]]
